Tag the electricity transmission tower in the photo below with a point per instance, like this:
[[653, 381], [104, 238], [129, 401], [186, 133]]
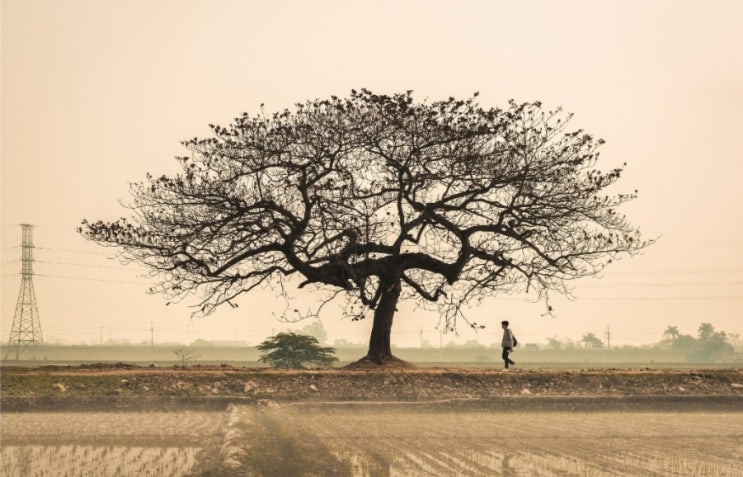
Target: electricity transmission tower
[[26, 329]]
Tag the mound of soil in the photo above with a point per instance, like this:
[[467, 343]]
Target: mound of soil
[[362, 383], [367, 364]]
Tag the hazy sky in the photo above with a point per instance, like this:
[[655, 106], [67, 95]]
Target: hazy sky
[[95, 93]]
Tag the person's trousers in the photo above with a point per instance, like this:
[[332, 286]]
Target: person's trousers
[[505, 357]]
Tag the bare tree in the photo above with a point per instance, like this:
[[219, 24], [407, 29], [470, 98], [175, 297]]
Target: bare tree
[[185, 355], [378, 198]]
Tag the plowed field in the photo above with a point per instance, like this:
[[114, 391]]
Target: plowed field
[[102, 421], [372, 440]]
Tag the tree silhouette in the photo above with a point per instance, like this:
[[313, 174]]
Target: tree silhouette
[[315, 329], [671, 334], [592, 341], [185, 355], [711, 344], [554, 343], [291, 350], [677, 340], [706, 331], [380, 199]]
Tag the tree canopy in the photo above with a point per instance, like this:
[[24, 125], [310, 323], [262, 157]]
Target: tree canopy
[[295, 351], [709, 344], [380, 198], [592, 341]]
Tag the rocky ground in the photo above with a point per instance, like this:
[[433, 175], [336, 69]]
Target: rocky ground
[[125, 384]]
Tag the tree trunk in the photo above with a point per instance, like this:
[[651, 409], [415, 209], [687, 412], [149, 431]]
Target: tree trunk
[[379, 343]]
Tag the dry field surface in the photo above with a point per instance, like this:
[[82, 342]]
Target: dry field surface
[[371, 440], [221, 421], [444, 442], [105, 444]]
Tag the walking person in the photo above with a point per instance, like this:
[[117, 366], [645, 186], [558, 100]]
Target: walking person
[[507, 343]]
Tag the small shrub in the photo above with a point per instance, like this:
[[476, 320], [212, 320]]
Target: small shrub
[[295, 351]]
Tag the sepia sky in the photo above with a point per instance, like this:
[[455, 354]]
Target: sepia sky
[[95, 93]]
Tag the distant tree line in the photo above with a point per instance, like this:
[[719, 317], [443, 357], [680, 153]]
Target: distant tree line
[[708, 345]]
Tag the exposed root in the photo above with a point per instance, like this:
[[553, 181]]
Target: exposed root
[[390, 362]]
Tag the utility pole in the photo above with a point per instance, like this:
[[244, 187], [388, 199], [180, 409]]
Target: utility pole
[[608, 338], [26, 329], [152, 336], [421, 333]]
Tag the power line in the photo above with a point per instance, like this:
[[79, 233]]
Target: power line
[[80, 265], [620, 298], [605, 273], [706, 243], [90, 279], [74, 251], [666, 272], [665, 285], [661, 298]]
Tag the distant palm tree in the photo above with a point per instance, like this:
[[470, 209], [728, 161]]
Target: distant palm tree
[[592, 341], [671, 334], [706, 331]]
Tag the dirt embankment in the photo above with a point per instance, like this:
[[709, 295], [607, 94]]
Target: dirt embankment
[[126, 383]]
